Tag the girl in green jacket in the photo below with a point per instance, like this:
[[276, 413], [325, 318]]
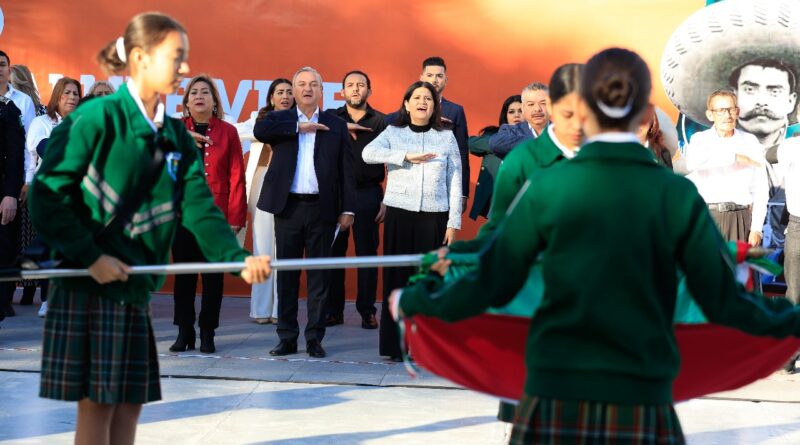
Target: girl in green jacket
[[99, 348], [613, 228]]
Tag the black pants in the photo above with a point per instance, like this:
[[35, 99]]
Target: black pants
[[298, 229], [405, 232], [366, 237], [184, 250], [9, 246]]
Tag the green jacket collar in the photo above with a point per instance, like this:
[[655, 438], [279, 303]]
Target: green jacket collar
[[549, 152], [138, 122], [623, 151]]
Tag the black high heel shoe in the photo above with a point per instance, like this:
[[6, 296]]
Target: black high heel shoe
[[207, 341], [185, 340]]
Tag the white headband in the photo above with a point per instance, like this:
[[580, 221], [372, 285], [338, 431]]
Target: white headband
[[121, 50], [615, 112]]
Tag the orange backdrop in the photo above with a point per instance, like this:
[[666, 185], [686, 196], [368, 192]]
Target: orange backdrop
[[492, 47]]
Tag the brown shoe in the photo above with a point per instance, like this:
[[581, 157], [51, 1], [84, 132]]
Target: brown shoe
[[266, 320], [369, 322], [333, 320]]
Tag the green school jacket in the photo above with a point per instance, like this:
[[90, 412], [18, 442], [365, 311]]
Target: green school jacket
[[96, 156], [525, 159], [613, 227]]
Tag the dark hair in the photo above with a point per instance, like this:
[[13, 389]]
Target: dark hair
[[217, 111], [503, 115], [262, 113], [655, 138], [360, 73], [85, 99], [616, 81], [145, 31], [404, 118], [433, 61], [3, 54], [766, 63], [58, 90], [565, 80]]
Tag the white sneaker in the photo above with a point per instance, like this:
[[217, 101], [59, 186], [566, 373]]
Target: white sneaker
[[43, 310]]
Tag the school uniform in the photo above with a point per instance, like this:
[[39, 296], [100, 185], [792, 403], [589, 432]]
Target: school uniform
[[98, 340], [613, 228]]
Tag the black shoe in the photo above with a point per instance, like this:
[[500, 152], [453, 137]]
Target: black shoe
[[285, 347], [369, 322], [314, 349], [9, 311], [185, 340], [789, 366], [207, 341], [333, 320], [27, 295], [396, 359]]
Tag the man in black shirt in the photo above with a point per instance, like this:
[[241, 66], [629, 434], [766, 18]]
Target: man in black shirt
[[364, 124], [12, 147]]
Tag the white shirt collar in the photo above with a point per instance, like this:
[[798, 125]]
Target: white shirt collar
[[533, 130], [159, 117], [314, 116], [569, 154], [616, 137], [10, 91]]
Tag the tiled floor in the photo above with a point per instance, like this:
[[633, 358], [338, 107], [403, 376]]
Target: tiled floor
[[241, 395]]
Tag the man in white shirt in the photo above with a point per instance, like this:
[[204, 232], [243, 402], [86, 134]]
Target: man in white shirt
[[20, 99], [728, 168]]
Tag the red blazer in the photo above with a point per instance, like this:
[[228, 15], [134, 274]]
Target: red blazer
[[224, 167]]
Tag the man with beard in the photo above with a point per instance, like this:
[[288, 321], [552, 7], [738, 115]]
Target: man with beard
[[364, 124], [534, 108]]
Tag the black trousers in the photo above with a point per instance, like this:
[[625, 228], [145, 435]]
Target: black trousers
[[366, 238], [185, 249], [9, 247], [300, 229], [405, 232]]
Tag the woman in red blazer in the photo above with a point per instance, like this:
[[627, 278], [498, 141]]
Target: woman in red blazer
[[222, 155]]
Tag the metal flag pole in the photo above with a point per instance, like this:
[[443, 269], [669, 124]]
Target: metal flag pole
[[191, 268]]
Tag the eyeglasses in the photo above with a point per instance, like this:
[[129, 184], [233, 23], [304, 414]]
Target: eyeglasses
[[720, 112]]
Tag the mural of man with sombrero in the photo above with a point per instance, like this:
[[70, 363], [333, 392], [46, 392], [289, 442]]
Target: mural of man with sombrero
[[752, 48]]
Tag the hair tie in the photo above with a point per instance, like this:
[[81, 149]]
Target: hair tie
[[615, 112], [121, 50]]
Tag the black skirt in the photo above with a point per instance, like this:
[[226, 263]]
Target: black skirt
[[405, 232]]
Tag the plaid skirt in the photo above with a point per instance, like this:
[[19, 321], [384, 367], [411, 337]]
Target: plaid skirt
[[96, 348], [543, 421]]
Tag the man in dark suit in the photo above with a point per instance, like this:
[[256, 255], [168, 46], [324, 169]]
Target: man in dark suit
[[434, 71], [364, 124], [310, 189], [12, 147]]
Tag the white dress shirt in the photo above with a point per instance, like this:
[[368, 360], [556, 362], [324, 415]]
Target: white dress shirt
[[25, 105], [41, 127], [158, 118], [711, 161], [789, 159], [305, 176]]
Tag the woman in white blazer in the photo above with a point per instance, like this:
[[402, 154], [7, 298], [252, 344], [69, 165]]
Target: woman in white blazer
[[423, 191], [263, 298]]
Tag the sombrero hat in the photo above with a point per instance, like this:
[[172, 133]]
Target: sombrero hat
[[711, 43]]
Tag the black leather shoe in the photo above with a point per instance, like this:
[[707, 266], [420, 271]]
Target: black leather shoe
[[314, 349], [185, 341], [207, 341], [369, 322], [27, 295], [285, 347], [333, 320]]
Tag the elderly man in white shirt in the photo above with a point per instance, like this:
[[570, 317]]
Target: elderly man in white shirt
[[728, 168]]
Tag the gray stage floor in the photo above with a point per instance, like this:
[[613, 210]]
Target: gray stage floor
[[241, 395]]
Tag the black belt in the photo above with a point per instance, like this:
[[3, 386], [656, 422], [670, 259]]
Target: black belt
[[304, 196], [727, 207]]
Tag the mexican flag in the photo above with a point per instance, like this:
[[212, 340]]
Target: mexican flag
[[487, 353]]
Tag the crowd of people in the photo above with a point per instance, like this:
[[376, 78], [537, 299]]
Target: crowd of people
[[314, 176]]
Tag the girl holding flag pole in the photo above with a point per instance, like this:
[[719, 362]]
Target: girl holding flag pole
[[99, 348], [613, 228]]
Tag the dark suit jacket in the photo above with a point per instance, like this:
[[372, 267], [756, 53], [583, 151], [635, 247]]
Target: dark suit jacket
[[508, 137], [12, 148], [455, 114], [333, 163]]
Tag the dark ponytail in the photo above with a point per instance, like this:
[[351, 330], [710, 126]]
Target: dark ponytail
[[144, 31], [616, 86]]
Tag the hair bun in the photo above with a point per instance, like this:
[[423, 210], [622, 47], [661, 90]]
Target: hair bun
[[109, 60], [615, 90]]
